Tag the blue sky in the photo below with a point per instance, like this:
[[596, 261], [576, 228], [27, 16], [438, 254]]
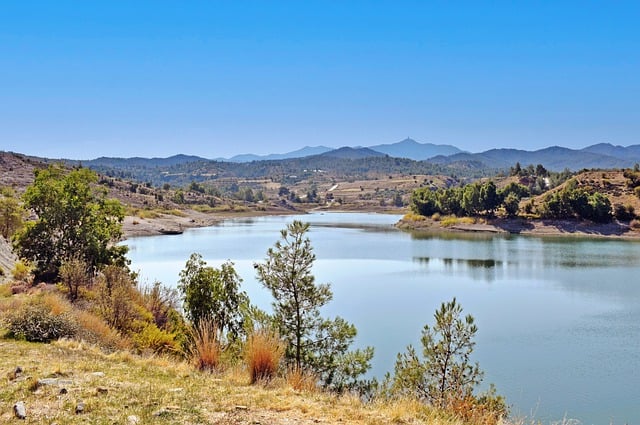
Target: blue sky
[[82, 79]]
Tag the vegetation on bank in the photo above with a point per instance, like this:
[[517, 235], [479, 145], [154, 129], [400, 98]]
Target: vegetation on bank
[[572, 199], [209, 322]]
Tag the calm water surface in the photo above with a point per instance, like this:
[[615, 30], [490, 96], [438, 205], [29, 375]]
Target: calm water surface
[[558, 318]]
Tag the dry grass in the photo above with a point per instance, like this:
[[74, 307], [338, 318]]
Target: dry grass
[[263, 354], [301, 380], [413, 217], [161, 390], [205, 349], [448, 221]]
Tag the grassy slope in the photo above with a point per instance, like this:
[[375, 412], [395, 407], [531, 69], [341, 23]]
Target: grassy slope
[[159, 390]]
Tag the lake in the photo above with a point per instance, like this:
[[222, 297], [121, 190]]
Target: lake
[[558, 318]]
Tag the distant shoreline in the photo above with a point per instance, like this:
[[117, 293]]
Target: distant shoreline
[[521, 226], [168, 224]]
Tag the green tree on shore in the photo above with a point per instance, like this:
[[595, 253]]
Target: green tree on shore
[[74, 221], [213, 294], [313, 342], [445, 372]]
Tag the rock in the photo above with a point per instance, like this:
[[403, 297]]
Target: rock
[[79, 408], [133, 420], [15, 373], [242, 408], [53, 381], [20, 410], [102, 390], [63, 391], [98, 374], [175, 390]]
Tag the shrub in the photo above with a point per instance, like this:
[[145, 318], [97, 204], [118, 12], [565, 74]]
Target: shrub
[[635, 224], [74, 273], [636, 191], [162, 302], [624, 213], [205, 349], [95, 330], [468, 220], [301, 380], [413, 217], [263, 354], [449, 221], [36, 322], [5, 290], [116, 300], [154, 339], [1, 271], [22, 272]]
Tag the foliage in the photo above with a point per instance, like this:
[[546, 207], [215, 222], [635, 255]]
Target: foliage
[[117, 300], [214, 294], [263, 353], [470, 200], [154, 339], [74, 273], [624, 212], [511, 205], [576, 202], [445, 372], [12, 214], [38, 322], [163, 304], [74, 220], [22, 272], [313, 342]]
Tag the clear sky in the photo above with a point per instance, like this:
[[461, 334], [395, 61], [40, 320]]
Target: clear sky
[[82, 79]]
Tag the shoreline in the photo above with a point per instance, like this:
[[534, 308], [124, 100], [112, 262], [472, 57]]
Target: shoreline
[[520, 226], [167, 224]]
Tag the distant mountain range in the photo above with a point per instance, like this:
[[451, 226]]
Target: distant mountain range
[[602, 155]]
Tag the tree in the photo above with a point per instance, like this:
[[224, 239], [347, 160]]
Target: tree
[[74, 221], [424, 202], [213, 294], [446, 372], [471, 202], [511, 204], [313, 342], [489, 198], [11, 213]]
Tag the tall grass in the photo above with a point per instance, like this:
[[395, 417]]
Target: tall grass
[[205, 349], [301, 380], [263, 354]]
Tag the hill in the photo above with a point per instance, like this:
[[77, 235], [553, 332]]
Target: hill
[[553, 158], [409, 148], [300, 153], [352, 153]]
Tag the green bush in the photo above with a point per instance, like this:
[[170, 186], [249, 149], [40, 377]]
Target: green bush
[[156, 340], [37, 323]]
